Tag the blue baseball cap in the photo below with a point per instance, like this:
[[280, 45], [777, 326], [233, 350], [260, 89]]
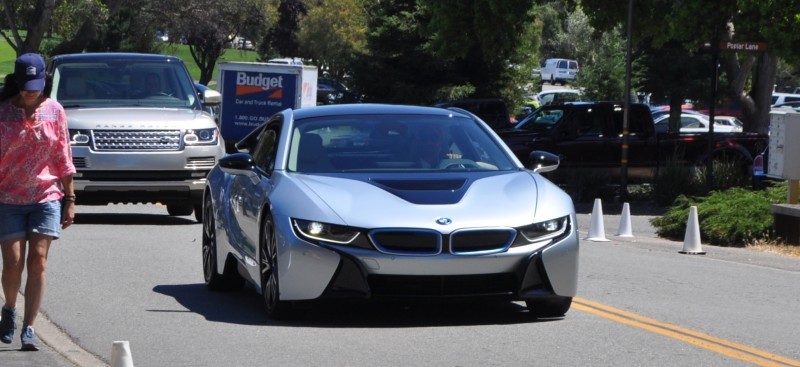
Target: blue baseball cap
[[29, 72]]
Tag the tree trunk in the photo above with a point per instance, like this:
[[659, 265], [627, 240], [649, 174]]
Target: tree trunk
[[763, 84], [675, 109], [36, 30]]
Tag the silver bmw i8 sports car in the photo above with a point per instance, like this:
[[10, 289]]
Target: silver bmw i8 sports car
[[367, 201]]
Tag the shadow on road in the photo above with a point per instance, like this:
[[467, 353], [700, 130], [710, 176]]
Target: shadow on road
[[131, 219], [245, 307]]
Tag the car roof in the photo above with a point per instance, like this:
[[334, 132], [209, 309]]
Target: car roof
[[370, 109], [551, 91]]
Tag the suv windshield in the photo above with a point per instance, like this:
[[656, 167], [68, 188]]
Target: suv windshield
[[121, 83]]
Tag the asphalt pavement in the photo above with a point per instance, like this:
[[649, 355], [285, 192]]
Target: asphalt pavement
[[58, 349]]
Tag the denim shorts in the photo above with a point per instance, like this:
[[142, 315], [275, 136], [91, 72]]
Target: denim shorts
[[17, 221]]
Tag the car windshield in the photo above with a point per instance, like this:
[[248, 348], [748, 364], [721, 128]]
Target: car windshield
[[377, 143], [123, 83]]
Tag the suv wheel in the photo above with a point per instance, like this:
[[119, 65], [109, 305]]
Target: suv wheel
[[179, 210]]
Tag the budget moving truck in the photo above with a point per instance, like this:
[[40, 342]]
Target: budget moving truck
[[252, 92]]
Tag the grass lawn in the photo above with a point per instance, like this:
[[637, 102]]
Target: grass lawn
[[7, 57]]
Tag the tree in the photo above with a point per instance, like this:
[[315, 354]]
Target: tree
[[331, 35], [208, 26], [281, 39], [750, 76], [426, 51], [32, 16], [602, 74]]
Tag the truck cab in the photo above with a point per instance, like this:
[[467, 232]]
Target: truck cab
[[140, 131]]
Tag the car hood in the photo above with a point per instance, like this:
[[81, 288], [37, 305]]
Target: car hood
[[137, 118], [507, 199]]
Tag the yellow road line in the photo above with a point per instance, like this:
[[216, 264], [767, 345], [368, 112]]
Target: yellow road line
[[705, 341]]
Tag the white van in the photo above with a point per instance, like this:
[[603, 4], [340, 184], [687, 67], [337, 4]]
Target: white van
[[559, 71]]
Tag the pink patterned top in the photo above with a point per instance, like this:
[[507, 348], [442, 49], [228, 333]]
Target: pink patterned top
[[33, 158]]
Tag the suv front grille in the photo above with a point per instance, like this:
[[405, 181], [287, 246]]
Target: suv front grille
[[136, 140]]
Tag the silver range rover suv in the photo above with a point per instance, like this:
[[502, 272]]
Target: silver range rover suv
[[141, 132]]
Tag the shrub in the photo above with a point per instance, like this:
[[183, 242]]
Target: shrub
[[672, 180], [727, 218]]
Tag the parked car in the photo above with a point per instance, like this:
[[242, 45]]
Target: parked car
[[694, 123], [332, 202], [781, 98], [588, 138], [659, 111], [286, 61], [792, 105], [556, 96], [729, 121], [492, 111], [330, 91], [559, 71]]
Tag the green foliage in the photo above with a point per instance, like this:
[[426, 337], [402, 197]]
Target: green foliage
[[672, 180], [419, 51], [602, 75], [727, 218], [331, 35]]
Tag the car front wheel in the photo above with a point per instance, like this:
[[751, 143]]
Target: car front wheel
[[230, 278], [268, 261]]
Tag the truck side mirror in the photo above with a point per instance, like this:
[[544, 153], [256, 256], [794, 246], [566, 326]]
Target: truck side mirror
[[541, 161]]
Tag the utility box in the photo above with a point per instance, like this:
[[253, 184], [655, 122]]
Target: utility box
[[252, 92], [784, 145]]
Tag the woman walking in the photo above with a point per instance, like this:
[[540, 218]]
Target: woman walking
[[37, 197]]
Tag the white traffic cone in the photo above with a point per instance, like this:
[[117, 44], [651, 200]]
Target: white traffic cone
[[625, 222], [691, 242], [121, 354], [597, 232]]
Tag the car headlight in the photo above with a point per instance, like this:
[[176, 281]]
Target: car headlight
[[79, 137], [544, 230], [201, 136], [319, 231]]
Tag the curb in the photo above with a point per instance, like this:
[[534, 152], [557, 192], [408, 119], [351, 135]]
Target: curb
[[52, 336]]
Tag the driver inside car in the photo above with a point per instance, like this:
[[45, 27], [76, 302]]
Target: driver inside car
[[431, 147], [152, 86]]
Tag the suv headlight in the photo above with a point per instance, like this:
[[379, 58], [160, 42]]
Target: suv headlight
[[544, 230], [79, 137], [201, 136]]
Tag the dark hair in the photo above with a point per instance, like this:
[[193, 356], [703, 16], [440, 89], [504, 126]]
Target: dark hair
[[11, 89]]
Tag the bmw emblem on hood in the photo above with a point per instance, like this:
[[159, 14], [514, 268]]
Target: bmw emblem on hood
[[443, 221]]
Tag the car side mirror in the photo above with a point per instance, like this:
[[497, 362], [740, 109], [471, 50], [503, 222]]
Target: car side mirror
[[212, 98], [238, 164], [541, 161]]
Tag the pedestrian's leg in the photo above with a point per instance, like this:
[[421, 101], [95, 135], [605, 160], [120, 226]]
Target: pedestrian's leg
[[39, 246], [13, 265]]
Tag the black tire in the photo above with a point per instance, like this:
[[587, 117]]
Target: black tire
[[179, 210], [549, 307], [268, 264], [230, 278]]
